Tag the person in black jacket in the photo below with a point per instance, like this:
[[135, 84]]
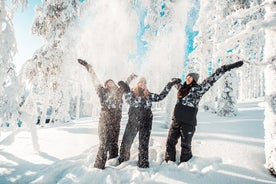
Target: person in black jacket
[[110, 116], [140, 119], [184, 116]]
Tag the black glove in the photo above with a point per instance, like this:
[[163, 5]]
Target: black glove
[[231, 66], [82, 62], [124, 86], [131, 77], [174, 81]]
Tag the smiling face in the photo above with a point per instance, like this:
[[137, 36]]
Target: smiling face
[[189, 80]]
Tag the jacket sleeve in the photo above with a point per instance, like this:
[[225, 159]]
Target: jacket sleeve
[[96, 82], [130, 78], [94, 77], [209, 81], [130, 99], [100, 91], [158, 97]]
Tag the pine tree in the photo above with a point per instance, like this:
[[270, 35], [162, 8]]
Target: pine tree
[[227, 101]]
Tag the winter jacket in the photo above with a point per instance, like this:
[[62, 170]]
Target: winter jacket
[[186, 109], [110, 100], [147, 103]]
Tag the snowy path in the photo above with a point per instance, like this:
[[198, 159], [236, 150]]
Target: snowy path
[[226, 150]]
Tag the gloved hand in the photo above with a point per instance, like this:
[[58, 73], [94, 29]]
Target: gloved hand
[[231, 66], [82, 62], [174, 81], [124, 86], [132, 76]]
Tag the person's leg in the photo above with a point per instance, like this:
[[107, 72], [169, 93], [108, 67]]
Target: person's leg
[[102, 151], [113, 136], [144, 136], [128, 137], [173, 136], [187, 133]]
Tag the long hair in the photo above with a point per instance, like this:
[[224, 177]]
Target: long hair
[[185, 89], [137, 91]]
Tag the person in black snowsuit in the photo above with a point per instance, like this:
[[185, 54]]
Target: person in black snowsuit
[[184, 116], [140, 119], [110, 116]]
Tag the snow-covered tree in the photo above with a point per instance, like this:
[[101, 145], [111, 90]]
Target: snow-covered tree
[[164, 34], [247, 32], [226, 103], [201, 59], [8, 48], [45, 70], [270, 82], [227, 30], [240, 40], [13, 96], [7, 52]]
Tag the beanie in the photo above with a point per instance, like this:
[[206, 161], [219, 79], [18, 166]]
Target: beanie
[[194, 75]]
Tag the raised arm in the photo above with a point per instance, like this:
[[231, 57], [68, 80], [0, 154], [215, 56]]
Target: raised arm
[[99, 88], [158, 97], [130, 99], [177, 84], [130, 78], [92, 73], [209, 82]]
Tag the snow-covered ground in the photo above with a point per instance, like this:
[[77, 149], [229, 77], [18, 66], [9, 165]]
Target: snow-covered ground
[[226, 150]]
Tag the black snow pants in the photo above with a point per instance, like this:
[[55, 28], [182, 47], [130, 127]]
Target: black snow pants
[[140, 120], [108, 131], [186, 132]]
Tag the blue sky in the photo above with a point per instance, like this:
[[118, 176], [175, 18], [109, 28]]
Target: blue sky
[[27, 43]]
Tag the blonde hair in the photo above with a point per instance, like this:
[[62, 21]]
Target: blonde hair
[[135, 91]]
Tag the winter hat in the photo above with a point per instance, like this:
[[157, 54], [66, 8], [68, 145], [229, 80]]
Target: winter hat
[[194, 75]]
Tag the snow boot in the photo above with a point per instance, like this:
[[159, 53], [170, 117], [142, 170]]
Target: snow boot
[[144, 164]]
